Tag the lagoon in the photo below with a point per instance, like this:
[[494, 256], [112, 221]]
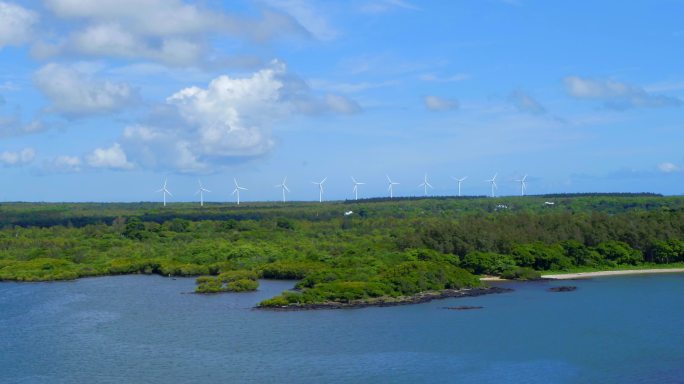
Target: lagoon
[[148, 329]]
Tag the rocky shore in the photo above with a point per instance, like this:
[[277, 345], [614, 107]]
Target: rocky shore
[[422, 297]]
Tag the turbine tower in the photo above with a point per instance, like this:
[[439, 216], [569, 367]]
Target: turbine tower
[[459, 183], [523, 185], [320, 188], [425, 184], [165, 191], [201, 191], [284, 187], [391, 186], [237, 190], [356, 188], [492, 181]]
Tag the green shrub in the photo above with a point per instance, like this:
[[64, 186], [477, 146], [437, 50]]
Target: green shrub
[[521, 273], [242, 285]]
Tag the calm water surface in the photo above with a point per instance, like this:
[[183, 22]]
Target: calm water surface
[[144, 329]]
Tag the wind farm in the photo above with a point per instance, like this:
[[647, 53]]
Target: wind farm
[[425, 185]]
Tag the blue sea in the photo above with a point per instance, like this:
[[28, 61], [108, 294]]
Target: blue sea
[[148, 329]]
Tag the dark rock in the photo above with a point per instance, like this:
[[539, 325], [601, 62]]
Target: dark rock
[[463, 307], [564, 288]]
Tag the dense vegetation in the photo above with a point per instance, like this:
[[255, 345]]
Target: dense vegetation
[[386, 248]]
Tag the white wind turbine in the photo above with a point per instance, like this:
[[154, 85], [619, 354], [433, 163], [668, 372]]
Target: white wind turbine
[[356, 188], [523, 185], [237, 190], [391, 186], [492, 181], [459, 183], [425, 184], [284, 187], [165, 191], [320, 188], [201, 191]]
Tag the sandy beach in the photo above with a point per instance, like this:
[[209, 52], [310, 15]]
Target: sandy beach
[[581, 275]]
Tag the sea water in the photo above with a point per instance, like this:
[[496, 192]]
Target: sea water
[[150, 329]]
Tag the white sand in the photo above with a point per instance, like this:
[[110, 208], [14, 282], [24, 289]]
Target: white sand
[[580, 275]]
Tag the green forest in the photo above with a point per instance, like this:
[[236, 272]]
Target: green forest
[[385, 248]]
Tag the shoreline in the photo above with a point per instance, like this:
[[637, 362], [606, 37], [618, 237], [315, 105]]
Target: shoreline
[[419, 298], [587, 275]]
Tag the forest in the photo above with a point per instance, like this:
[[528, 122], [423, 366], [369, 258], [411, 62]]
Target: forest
[[385, 248]]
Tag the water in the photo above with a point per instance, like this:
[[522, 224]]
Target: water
[[143, 329]]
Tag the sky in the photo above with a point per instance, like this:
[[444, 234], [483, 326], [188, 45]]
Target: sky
[[102, 100]]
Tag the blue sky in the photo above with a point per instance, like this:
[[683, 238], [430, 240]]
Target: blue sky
[[102, 100]]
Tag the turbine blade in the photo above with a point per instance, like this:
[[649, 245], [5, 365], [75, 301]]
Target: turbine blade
[[286, 188]]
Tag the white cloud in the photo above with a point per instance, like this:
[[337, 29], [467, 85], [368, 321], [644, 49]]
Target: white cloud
[[112, 158], [667, 167], [200, 129], [341, 104], [524, 102], [16, 24], [23, 157], [173, 32], [13, 125], [435, 103], [65, 163], [307, 16], [76, 94], [615, 94]]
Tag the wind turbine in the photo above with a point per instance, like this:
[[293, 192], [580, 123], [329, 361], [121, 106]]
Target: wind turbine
[[459, 183], [523, 185], [356, 188], [284, 187], [164, 190], [320, 189], [492, 181], [201, 191], [237, 190], [391, 186], [425, 184]]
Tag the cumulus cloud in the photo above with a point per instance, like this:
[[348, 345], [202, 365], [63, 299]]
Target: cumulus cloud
[[435, 103], [77, 94], [16, 24], [173, 32], [18, 158], [524, 102], [199, 129], [65, 163], [667, 167], [112, 158], [615, 94], [13, 125]]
